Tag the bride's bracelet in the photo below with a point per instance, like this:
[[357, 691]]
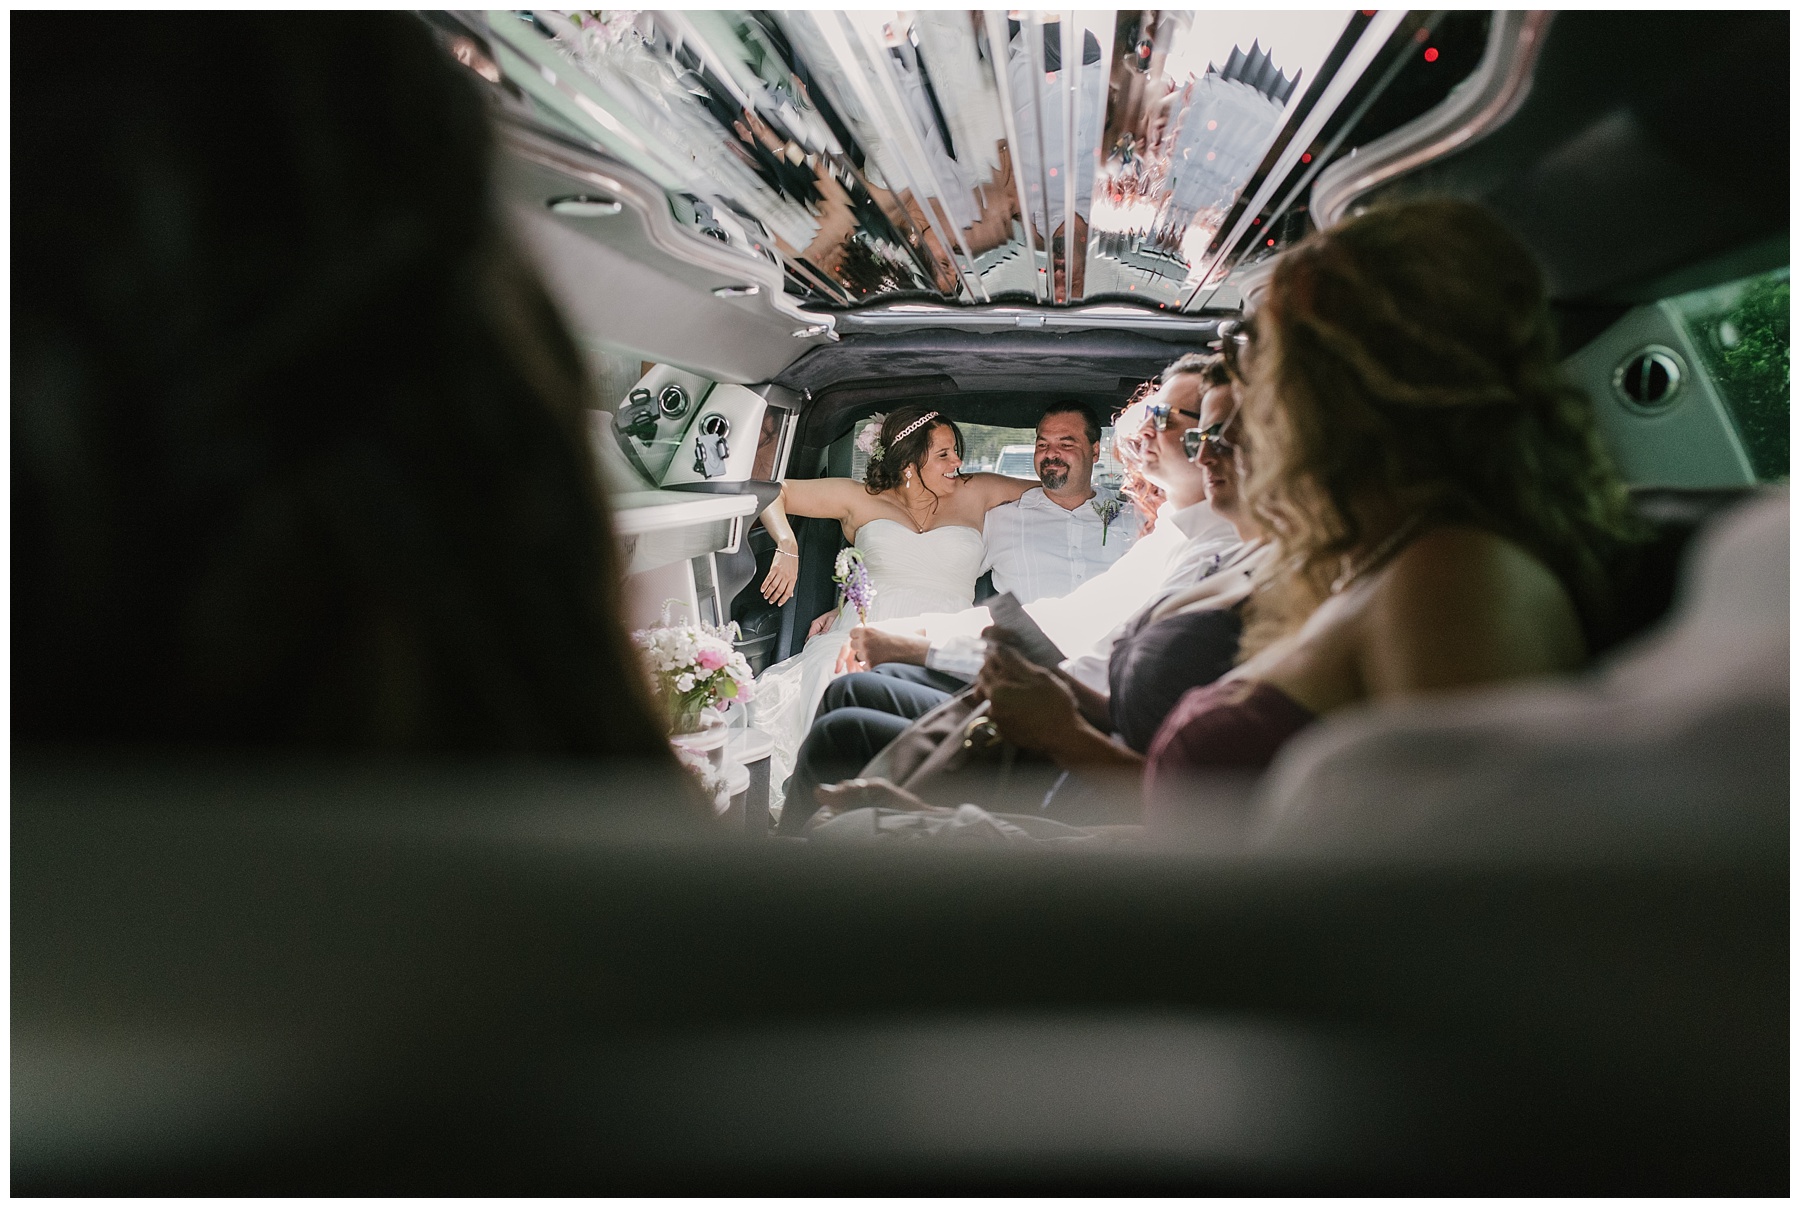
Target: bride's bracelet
[[781, 553]]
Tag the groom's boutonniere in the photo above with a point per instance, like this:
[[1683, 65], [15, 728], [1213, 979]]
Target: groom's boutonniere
[[1107, 507]]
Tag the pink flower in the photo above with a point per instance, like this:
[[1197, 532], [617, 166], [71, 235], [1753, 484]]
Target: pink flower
[[711, 659]]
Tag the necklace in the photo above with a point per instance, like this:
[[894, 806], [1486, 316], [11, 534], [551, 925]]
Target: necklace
[[1379, 554], [910, 511]]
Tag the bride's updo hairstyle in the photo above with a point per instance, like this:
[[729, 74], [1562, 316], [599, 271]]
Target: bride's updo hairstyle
[[1404, 364], [888, 471]]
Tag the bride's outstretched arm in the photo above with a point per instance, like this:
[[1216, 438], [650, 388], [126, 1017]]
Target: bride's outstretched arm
[[997, 489], [830, 498]]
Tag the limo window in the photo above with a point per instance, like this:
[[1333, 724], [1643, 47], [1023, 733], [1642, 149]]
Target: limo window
[[1740, 330]]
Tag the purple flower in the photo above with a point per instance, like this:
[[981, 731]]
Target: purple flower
[[1107, 507], [854, 586]]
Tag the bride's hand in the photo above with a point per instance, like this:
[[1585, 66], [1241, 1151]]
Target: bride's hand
[[821, 623], [784, 572]]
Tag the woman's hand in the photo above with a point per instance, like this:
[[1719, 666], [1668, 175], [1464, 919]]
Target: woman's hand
[[784, 572], [821, 623], [856, 794], [1033, 708]]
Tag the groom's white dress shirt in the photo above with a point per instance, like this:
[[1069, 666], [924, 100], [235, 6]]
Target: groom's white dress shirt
[[1038, 548]]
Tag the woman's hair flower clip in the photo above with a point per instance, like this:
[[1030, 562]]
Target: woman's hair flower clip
[[869, 439]]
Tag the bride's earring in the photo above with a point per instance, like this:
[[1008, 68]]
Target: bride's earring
[[909, 474]]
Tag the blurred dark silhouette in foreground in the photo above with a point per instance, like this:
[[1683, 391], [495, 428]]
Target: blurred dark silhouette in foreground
[[297, 466], [298, 453]]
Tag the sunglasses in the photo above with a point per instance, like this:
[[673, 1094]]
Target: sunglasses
[[1160, 412], [1235, 345], [1195, 439]]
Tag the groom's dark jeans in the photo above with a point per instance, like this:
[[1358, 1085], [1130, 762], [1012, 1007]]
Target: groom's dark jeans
[[859, 714]]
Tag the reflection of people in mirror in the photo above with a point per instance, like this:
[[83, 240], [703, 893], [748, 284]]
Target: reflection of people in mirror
[[767, 441]]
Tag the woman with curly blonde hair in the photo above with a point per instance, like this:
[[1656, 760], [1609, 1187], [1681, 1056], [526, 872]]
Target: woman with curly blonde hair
[[1442, 512]]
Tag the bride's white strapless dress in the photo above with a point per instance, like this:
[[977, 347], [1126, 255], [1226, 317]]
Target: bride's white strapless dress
[[913, 573]]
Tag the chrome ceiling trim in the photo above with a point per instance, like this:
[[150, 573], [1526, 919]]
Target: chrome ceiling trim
[[1103, 23], [1493, 93], [709, 58], [534, 69], [835, 27], [1250, 282], [1071, 94], [920, 165], [995, 23], [878, 157], [1252, 287], [644, 197], [1374, 36], [800, 27], [1031, 33], [1002, 317]]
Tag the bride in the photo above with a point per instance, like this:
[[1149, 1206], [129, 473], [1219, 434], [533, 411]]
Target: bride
[[917, 520]]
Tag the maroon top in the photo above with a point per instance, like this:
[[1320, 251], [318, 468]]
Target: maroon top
[[1229, 725]]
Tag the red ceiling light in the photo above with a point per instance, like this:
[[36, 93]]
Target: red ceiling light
[[1306, 157], [1431, 55], [1271, 243]]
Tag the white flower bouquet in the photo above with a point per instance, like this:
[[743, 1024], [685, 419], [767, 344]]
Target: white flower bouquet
[[693, 667]]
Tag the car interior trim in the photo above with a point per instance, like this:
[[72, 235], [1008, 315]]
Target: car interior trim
[[1499, 85], [1373, 40], [546, 151]]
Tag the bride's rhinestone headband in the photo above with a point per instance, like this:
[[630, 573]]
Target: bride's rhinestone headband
[[914, 426]]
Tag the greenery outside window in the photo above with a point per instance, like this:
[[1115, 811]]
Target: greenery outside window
[[1741, 332]]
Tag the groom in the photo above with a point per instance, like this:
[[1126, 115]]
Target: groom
[[1052, 540], [1058, 536]]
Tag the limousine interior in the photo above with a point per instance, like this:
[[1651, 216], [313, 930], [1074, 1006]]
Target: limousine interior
[[764, 228]]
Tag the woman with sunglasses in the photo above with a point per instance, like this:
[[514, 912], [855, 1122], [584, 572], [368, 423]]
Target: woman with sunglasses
[[1184, 640], [1440, 511]]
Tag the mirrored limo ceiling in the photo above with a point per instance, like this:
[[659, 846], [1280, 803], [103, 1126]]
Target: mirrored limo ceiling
[[951, 159]]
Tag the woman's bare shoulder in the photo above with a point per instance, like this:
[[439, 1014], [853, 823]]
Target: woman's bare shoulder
[[1451, 563], [1461, 604]]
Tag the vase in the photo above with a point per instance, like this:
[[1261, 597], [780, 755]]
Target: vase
[[707, 741]]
